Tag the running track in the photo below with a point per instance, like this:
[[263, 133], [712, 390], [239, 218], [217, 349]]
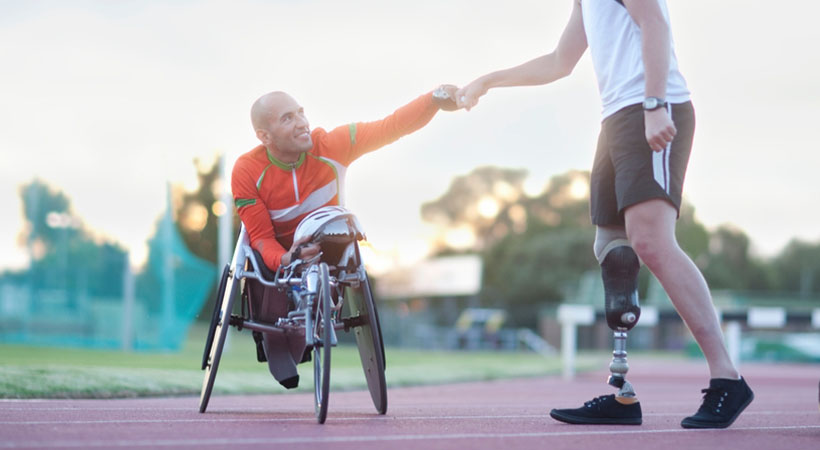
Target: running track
[[510, 414]]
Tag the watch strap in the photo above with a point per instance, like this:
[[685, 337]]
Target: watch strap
[[658, 103]]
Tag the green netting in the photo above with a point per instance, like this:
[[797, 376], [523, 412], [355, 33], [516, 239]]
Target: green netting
[[64, 305]]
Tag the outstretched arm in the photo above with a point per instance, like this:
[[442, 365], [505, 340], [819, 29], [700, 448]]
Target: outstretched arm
[[656, 48], [542, 70], [405, 120], [362, 137]]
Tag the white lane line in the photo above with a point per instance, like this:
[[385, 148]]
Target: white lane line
[[206, 419], [80, 408], [345, 439]]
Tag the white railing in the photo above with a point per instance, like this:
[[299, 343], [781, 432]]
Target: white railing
[[570, 316]]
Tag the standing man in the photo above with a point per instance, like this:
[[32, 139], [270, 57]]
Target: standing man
[[635, 190], [293, 172]]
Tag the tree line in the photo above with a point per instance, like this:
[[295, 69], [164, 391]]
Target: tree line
[[536, 247]]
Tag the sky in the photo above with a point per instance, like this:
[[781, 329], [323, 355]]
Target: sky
[[110, 100]]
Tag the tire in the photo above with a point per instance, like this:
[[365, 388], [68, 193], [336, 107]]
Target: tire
[[323, 326], [369, 340], [220, 332], [215, 316]]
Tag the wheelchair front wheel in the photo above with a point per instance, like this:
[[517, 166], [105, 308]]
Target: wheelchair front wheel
[[220, 322], [323, 326]]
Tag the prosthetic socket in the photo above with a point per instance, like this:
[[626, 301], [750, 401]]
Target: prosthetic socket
[[619, 270]]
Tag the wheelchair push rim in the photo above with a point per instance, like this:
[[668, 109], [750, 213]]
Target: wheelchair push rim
[[323, 326]]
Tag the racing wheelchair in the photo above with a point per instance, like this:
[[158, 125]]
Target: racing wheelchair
[[327, 294]]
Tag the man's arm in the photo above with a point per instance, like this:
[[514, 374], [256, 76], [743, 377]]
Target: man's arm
[[542, 70], [656, 48], [368, 136]]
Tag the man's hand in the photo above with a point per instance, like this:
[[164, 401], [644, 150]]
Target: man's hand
[[445, 97], [467, 97], [660, 130], [302, 249]]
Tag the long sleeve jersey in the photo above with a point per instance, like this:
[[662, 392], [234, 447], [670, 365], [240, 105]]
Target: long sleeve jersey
[[272, 197]]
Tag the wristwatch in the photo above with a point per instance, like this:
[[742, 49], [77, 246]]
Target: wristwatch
[[443, 99], [653, 103], [441, 94]]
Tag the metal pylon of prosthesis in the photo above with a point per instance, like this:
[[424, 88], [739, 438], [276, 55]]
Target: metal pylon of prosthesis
[[619, 367]]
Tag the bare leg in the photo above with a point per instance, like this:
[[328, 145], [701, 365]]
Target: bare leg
[[651, 229]]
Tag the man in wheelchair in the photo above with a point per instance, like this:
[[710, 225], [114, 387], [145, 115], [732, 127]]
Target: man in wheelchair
[[292, 173]]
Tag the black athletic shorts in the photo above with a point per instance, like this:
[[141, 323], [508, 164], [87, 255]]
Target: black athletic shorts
[[626, 171]]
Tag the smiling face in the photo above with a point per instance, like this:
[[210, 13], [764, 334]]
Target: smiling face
[[281, 125]]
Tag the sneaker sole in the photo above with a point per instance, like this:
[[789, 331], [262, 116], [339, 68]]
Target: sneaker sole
[[575, 420], [685, 423]]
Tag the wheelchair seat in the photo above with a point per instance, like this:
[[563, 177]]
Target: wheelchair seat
[[264, 270]]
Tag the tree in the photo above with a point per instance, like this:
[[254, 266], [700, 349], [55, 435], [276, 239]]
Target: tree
[[524, 272], [64, 253], [468, 213], [728, 263], [47, 218], [547, 256], [535, 249], [198, 220], [196, 213], [797, 268]]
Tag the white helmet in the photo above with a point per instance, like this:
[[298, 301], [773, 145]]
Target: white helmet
[[330, 224]]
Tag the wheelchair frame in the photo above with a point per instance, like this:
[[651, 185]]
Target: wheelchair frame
[[316, 315]]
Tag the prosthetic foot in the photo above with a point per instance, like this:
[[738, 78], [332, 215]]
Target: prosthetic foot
[[619, 270]]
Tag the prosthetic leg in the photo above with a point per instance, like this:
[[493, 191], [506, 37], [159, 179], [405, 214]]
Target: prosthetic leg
[[619, 270]]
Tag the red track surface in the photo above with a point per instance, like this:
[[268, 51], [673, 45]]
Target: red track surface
[[511, 414]]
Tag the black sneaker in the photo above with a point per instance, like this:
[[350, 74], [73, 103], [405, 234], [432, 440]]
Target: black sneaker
[[723, 401], [604, 410]]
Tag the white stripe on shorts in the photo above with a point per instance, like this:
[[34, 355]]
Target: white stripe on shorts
[[660, 163]]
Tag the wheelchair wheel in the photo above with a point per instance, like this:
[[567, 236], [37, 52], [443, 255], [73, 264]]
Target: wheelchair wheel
[[369, 341], [215, 316], [217, 334], [322, 327]]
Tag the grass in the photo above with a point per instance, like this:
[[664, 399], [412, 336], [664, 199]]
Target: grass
[[47, 372]]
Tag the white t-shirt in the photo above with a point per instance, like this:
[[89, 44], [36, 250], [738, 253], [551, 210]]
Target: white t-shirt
[[614, 41]]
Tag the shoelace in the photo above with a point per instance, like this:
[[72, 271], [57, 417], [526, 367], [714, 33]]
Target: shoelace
[[713, 399], [594, 401]]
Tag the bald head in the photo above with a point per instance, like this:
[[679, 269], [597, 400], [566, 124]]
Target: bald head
[[267, 107]]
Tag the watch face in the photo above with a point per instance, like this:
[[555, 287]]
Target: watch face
[[440, 94], [652, 103]]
